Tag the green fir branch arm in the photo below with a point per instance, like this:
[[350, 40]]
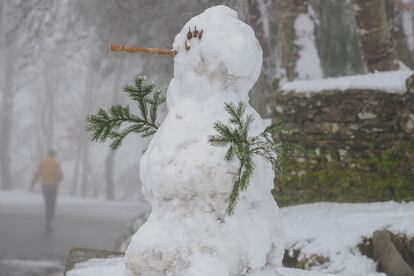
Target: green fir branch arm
[[107, 124], [235, 136]]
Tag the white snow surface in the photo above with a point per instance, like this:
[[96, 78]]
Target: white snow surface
[[116, 267], [333, 230], [391, 82], [187, 181], [101, 267]]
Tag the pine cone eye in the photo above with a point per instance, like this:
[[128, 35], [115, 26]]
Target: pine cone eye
[[189, 34], [195, 32]]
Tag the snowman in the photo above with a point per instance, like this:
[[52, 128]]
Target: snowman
[[187, 180]]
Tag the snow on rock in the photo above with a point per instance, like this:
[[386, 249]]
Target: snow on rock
[[187, 181], [101, 267], [391, 82], [334, 230]]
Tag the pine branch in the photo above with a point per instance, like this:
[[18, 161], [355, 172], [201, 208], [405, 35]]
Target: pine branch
[[107, 124], [234, 136]]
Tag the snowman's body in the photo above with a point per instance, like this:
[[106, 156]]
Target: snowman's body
[[186, 179]]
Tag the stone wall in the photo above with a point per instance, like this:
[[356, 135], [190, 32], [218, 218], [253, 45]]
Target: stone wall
[[356, 145], [354, 123]]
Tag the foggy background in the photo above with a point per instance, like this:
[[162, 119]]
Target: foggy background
[[55, 68]]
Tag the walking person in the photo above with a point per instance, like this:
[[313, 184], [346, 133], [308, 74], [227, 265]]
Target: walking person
[[50, 175]]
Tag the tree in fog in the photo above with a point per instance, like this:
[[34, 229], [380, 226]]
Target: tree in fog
[[8, 41], [399, 15], [14, 17], [337, 39], [257, 16], [374, 34]]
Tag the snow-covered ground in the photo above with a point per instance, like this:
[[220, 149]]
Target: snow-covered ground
[[391, 82], [115, 267], [331, 230]]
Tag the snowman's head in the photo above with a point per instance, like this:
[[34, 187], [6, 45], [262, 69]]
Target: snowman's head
[[215, 46]]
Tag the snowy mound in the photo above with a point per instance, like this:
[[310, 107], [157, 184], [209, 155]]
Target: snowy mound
[[333, 230], [187, 181]]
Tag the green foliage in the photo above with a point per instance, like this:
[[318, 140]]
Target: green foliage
[[107, 124], [235, 136], [388, 176]]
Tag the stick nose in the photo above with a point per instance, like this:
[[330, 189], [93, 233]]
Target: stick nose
[[153, 51]]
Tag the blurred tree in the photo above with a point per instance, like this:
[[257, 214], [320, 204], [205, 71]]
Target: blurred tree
[[258, 18], [374, 34], [110, 157], [395, 10], [9, 41], [337, 39]]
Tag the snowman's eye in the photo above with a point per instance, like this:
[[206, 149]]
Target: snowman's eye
[[195, 32], [192, 34], [189, 34]]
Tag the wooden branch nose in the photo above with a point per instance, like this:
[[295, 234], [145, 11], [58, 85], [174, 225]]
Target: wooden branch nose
[[152, 51]]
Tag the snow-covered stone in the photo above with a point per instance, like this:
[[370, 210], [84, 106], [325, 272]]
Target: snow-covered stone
[[333, 230], [391, 82]]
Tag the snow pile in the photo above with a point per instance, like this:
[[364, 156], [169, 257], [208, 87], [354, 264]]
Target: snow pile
[[334, 230], [187, 181], [391, 82]]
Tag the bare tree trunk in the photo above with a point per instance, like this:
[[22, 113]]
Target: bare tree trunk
[[84, 141], [261, 95], [1, 20], [109, 174], [75, 178], [81, 170], [256, 19], [51, 91], [6, 117], [399, 38], [374, 34], [109, 161], [287, 11], [85, 164], [51, 81]]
